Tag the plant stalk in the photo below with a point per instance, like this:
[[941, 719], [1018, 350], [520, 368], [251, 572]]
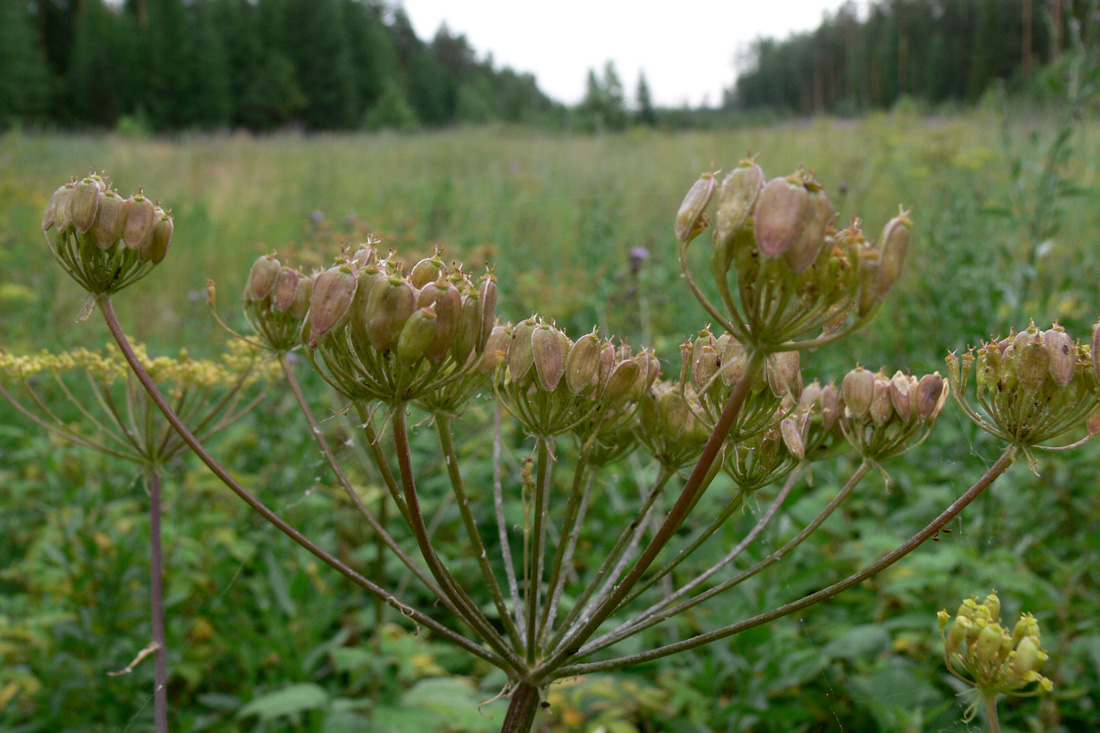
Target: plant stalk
[[524, 706], [156, 593]]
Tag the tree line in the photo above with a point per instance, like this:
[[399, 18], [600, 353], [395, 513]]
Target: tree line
[[164, 65], [255, 64], [935, 50]]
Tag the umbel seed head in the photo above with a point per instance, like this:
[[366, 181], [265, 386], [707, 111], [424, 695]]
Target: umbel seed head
[[103, 241]]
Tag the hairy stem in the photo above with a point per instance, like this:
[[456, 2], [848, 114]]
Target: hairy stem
[[524, 706], [990, 702]]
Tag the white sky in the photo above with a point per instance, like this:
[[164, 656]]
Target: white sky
[[686, 48]]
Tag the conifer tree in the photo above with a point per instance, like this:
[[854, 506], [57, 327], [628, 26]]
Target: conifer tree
[[23, 80]]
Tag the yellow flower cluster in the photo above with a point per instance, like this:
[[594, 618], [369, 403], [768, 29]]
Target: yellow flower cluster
[[108, 366], [984, 654]]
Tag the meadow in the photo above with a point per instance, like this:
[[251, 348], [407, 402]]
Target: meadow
[[579, 229]]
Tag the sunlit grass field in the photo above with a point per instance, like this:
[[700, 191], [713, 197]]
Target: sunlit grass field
[[558, 217]]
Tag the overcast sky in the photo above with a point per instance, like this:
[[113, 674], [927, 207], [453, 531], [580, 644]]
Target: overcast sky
[[687, 49]]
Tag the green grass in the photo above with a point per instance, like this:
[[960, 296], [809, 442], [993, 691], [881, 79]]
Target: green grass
[[558, 215]]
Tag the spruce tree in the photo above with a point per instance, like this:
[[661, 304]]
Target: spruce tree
[[23, 81], [643, 102]]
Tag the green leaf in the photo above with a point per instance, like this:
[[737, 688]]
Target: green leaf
[[861, 642], [287, 701], [279, 585]]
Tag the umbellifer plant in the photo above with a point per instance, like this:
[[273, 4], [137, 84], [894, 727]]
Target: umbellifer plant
[[393, 343]]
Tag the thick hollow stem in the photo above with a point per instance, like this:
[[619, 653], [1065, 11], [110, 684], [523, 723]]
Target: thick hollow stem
[[107, 309], [156, 593], [886, 561], [524, 706]]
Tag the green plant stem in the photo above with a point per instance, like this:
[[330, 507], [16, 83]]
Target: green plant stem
[[629, 536], [68, 435], [450, 458], [156, 594], [990, 702], [463, 604], [695, 484], [538, 534], [522, 709], [994, 472], [502, 523], [685, 553], [569, 545], [341, 477], [657, 613], [107, 309], [624, 554], [569, 531], [380, 461], [649, 616]]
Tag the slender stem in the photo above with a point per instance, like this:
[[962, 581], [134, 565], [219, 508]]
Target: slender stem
[[380, 461], [747, 540], [657, 612], [630, 536], [715, 524], [380, 561], [524, 706], [695, 484], [450, 458], [502, 522], [720, 319], [156, 593], [341, 477], [464, 605], [65, 433], [886, 561], [569, 542], [107, 309], [568, 527], [990, 701], [624, 553], [538, 535]]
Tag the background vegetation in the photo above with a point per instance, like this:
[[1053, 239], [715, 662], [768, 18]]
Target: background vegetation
[[257, 628], [264, 639]]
